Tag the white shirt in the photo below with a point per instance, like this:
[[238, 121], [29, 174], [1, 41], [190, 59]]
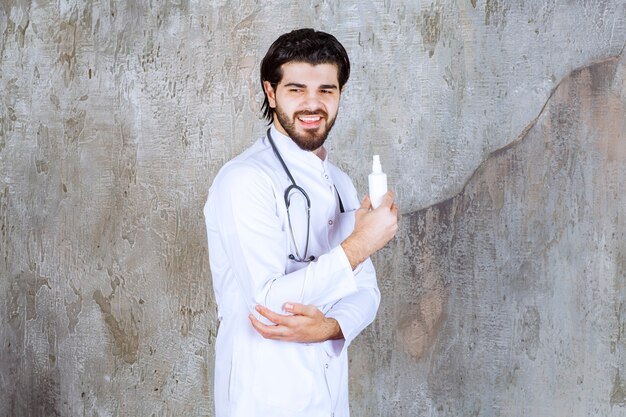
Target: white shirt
[[249, 244]]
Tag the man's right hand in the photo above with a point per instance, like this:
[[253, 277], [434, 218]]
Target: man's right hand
[[372, 229]]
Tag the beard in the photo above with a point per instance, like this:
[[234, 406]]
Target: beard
[[309, 139]]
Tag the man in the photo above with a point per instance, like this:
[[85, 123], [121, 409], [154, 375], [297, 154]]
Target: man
[[289, 247]]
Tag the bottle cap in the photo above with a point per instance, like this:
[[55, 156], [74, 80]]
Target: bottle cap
[[376, 167]]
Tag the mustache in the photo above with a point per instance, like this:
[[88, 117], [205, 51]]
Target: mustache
[[319, 112]]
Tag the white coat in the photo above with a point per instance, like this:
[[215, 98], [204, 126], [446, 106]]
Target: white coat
[[249, 244]]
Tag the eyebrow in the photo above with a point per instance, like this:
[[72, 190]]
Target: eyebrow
[[323, 86]]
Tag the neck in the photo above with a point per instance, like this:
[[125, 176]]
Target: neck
[[320, 152]]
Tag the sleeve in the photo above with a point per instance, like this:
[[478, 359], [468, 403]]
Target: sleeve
[[358, 310], [242, 209]]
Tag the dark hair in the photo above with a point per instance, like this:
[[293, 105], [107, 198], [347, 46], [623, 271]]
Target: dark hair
[[302, 45]]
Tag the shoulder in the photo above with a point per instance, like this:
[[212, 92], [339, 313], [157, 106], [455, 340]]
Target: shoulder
[[241, 177], [246, 179], [248, 169]]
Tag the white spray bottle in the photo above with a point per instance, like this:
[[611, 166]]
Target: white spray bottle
[[377, 182]]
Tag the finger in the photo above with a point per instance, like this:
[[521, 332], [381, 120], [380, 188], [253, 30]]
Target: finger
[[267, 331], [387, 199], [300, 309], [259, 327], [270, 315], [366, 203], [255, 323]]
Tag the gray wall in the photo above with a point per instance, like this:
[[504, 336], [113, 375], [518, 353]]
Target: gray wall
[[501, 127]]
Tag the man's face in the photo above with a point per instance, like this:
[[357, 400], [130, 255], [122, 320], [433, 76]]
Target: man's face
[[305, 102]]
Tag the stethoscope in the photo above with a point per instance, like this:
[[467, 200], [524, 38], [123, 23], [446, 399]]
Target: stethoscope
[[289, 191]]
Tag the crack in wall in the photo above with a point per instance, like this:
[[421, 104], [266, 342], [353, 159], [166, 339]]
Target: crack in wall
[[523, 134]]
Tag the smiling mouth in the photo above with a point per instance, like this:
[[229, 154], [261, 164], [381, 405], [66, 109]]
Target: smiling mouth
[[310, 119]]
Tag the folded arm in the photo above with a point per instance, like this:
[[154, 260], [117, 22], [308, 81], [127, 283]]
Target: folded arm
[[351, 314], [243, 212]]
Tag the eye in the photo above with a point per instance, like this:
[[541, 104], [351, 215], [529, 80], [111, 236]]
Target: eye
[[295, 90]]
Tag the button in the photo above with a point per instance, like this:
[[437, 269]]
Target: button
[[330, 222], [326, 365]]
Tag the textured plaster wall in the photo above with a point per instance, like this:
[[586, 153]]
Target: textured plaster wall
[[501, 126], [520, 305]]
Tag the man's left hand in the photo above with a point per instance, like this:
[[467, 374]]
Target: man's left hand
[[305, 324]]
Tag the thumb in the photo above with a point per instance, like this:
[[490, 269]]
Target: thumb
[[299, 309]]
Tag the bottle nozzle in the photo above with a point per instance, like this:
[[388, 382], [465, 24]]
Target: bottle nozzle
[[376, 168]]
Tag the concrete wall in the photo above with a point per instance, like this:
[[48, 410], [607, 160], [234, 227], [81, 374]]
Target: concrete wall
[[500, 125]]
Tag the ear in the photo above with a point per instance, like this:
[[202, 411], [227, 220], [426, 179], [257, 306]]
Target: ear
[[271, 93]]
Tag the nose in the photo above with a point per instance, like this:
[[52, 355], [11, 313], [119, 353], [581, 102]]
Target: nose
[[312, 101]]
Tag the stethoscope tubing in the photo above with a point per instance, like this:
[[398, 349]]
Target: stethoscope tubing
[[287, 202]]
